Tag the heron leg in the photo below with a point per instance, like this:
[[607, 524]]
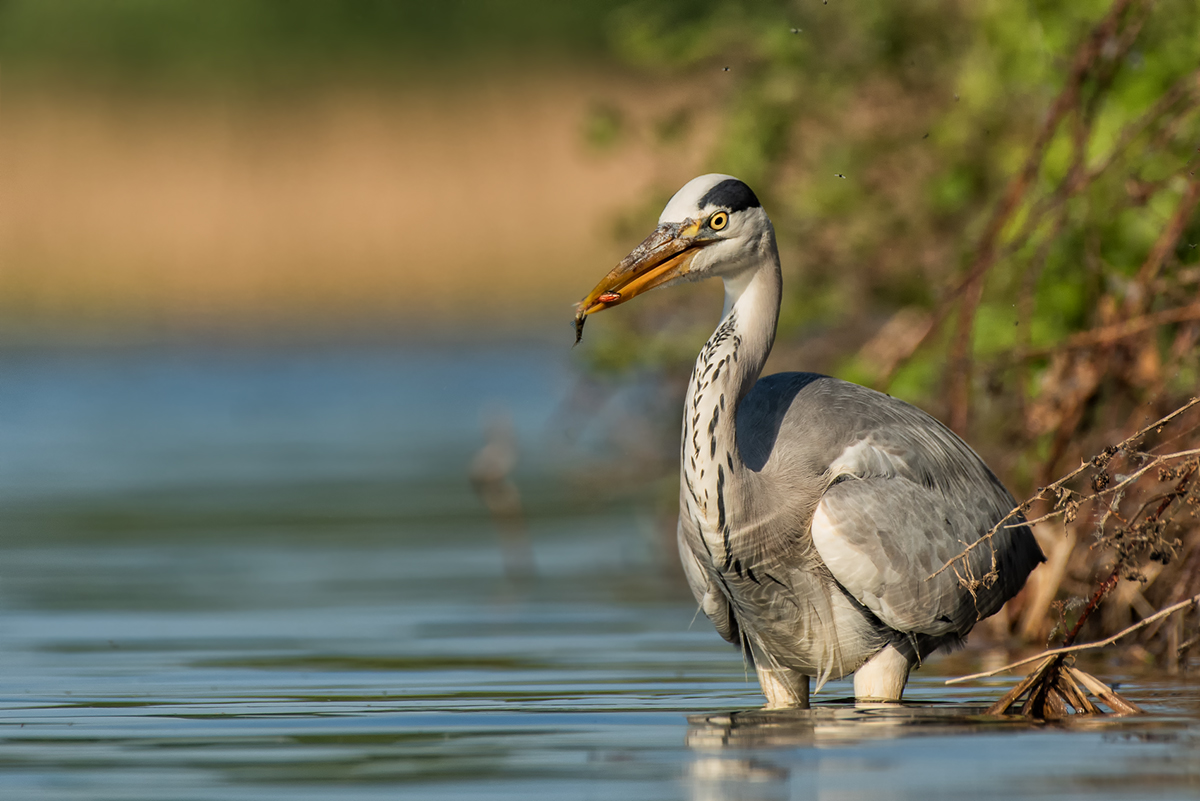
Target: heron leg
[[784, 688], [883, 676]]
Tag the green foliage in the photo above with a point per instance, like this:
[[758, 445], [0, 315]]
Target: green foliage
[[929, 110], [1015, 243], [266, 43]]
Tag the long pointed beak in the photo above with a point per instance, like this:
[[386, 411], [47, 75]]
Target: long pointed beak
[[664, 256]]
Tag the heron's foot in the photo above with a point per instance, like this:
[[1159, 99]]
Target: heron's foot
[[883, 677]]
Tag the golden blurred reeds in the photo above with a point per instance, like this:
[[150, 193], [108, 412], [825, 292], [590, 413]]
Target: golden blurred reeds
[[350, 207]]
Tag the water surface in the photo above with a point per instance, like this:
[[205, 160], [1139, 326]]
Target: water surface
[[264, 575]]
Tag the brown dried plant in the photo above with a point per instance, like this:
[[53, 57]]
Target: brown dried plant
[[1143, 502], [1130, 515]]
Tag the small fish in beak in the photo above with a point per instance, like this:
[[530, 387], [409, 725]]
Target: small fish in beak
[[580, 319], [664, 256]]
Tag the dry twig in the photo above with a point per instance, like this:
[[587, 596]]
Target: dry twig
[[1054, 652], [1057, 487]]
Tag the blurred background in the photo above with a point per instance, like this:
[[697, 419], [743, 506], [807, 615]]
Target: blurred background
[[287, 271]]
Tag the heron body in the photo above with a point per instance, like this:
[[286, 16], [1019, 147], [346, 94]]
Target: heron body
[[813, 511]]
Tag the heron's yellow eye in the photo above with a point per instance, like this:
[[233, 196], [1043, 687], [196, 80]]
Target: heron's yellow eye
[[718, 221]]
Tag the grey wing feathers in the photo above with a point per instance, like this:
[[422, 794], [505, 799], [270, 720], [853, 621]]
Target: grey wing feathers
[[713, 602], [901, 496], [882, 539]]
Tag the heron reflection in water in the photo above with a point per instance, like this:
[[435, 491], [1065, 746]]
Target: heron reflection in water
[[812, 511]]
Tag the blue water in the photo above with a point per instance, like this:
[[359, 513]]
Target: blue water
[[263, 574], [113, 420]]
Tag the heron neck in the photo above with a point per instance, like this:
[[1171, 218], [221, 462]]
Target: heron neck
[[752, 301], [727, 367]]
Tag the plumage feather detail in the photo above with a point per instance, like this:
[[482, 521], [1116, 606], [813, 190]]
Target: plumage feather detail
[[884, 496]]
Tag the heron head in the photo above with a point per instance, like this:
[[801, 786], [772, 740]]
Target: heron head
[[713, 226]]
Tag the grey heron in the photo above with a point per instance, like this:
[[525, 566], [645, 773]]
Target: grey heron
[[813, 511]]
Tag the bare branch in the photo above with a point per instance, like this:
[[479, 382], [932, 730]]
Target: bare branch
[[1106, 335], [1054, 487], [1195, 599]]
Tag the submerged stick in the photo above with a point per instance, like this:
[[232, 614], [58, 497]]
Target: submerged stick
[[1119, 705], [1010, 697], [1076, 697]]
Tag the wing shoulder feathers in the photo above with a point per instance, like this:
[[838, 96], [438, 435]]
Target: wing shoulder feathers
[[902, 496], [839, 428]]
